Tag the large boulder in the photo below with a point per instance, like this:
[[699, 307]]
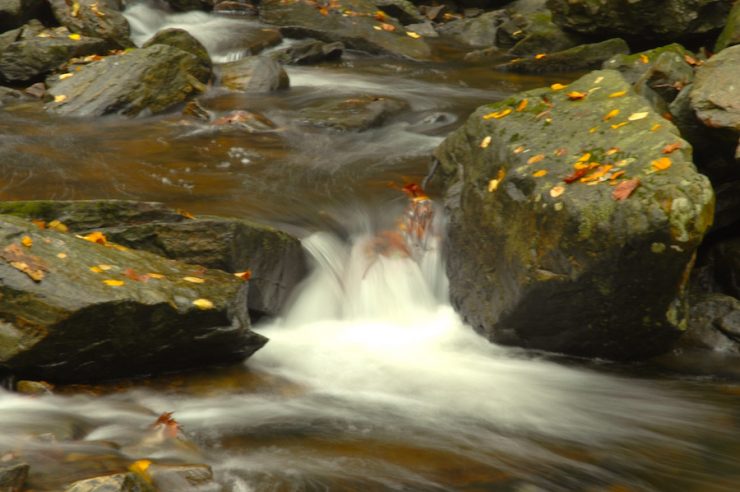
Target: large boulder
[[581, 57], [183, 40], [141, 81], [253, 74], [659, 20], [730, 35], [74, 310], [276, 259], [29, 53], [574, 217], [356, 23], [95, 18]]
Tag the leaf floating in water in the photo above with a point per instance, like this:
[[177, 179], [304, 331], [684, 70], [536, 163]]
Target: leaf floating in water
[[203, 304], [540, 173], [113, 283], [661, 164], [556, 191], [558, 87], [535, 159], [27, 241], [485, 142], [637, 116], [625, 189], [618, 94], [611, 114], [497, 114], [194, 280], [671, 147], [576, 96]]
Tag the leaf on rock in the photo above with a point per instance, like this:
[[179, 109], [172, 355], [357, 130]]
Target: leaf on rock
[[535, 159], [618, 94], [611, 114], [637, 116], [540, 56], [519, 149], [388, 27], [39, 223], [671, 147], [540, 173], [577, 174], [661, 164], [58, 226], [95, 237], [155, 275], [133, 275], [625, 189], [497, 114], [485, 142], [74, 37], [522, 105], [60, 98], [27, 241], [31, 265], [558, 87], [576, 95], [655, 127], [556, 191], [203, 304], [194, 280], [413, 34], [113, 283], [245, 275], [644, 59]]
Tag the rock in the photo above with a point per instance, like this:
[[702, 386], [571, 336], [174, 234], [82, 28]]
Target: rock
[[276, 259], [588, 270], [183, 478], [253, 74], [715, 96], [100, 19], [356, 114], [713, 324], [183, 40], [359, 30], [308, 52], [403, 10], [581, 57], [425, 29], [730, 35], [36, 52], [476, 32], [634, 66], [666, 77], [727, 215], [147, 80], [239, 7], [119, 482], [530, 33], [34, 388], [74, 310], [188, 5], [727, 265], [15, 13], [10, 96], [13, 476], [653, 20]]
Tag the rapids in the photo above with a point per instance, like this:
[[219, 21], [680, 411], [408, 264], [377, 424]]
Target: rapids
[[370, 380]]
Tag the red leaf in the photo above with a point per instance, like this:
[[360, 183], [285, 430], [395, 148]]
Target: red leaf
[[625, 189], [578, 174]]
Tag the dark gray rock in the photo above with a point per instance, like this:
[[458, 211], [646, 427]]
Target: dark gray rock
[[308, 52], [716, 94], [476, 32], [141, 81], [15, 13], [100, 19], [253, 74], [727, 265], [714, 324], [634, 66], [541, 257], [403, 10], [582, 57], [10, 96], [13, 476]]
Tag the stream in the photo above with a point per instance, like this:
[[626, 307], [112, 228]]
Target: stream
[[370, 380]]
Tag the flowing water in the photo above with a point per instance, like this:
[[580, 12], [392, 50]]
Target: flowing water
[[370, 380]]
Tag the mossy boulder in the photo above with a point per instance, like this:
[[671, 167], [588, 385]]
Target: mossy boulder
[[141, 81], [530, 33], [253, 74], [574, 217], [101, 19], [76, 310], [276, 259], [183, 40], [581, 57], [730, 35], [351, 22], [633, 66], [653, 20], [33, 52]]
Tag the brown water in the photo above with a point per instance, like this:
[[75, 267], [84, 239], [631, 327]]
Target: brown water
[[371, 383]]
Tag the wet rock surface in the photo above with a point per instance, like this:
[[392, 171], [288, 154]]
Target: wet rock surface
[[356, 114], [94, 18], [581, 57], [253, 74]]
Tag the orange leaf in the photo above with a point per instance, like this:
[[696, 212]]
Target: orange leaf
[[522, 104], [96, 237], [597, 174], [655, 127], [611, 114], [671, 147], [625, 189], [245, 275], [388, 27], [618, 94], [136, 277], [577, 174], [31, 265], [535, 159], [576, 96], [497, 114], [39, 223], [27, 241], [540, 173], [539, 56], [185, 213], [661, 164], [616, 175], [519, 149], [194, 280], [644, 59], [619, 125], [556, 191], [558, 87]]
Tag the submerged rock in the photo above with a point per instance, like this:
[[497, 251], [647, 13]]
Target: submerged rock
[[76, 310], [581, 57], [665, 20], [141, 81], [574, 217], [183, 478], [308, 52], [355, 23], [253, 74], [95, 18], [355, 114], [13, 476]]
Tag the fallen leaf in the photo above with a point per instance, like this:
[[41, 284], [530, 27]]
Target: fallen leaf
[[380, 16], [245, 275], [576, 96], [66, 76], [194, 280], [519, 149], [593, 129], [556, 191], [413, 34], [60, 98], [617, 174], [133, 275], [61, 256], [75, 9], [74, 37], [497, 114], [493, 185], [96, 269], [155, 275], [58, 226], [611, 114], [598, 79], [388, 27], [39, 223], [637, 116], [597, 174], [95, 237], [560, 151], [203, 304], [535, 159], [618, 94], [141, 467], [585, 157], [540, 56], [558, 87], [644, 59], [522, 104], [485, 142], [577, 174], [31, 265], [691, 60], [655, 127], [625, 189], [113, 283], [540, 173], [27, 241], [661, 164], [671, 147], [612, 151], [619, 125], [325, 11]]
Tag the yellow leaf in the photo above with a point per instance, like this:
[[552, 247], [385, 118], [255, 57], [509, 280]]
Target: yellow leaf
[[377, 28], [576, 96], [96, 237], [619, 125], [485, 142], [644, 59], [74, 37], [493, 185], [597, 174], [661, 164], [612, 151], [141, 468], [104, 267], [203, 304], [413, 34], [57, 226], [535, 159], [194, 280], [540, 173], [155, 275], [618, 94], [522, 105], [585, 157], [556, 191], [61, 255], [113, 283], [611, 114], [245, 275], [539, 56], [96, 269], [497, 114], [637, 116], [27, 241], [558, 87], [655, 127], [593, 129], [66, 76], [598, 79], [60, 98], [75, 9], [519, 149]]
